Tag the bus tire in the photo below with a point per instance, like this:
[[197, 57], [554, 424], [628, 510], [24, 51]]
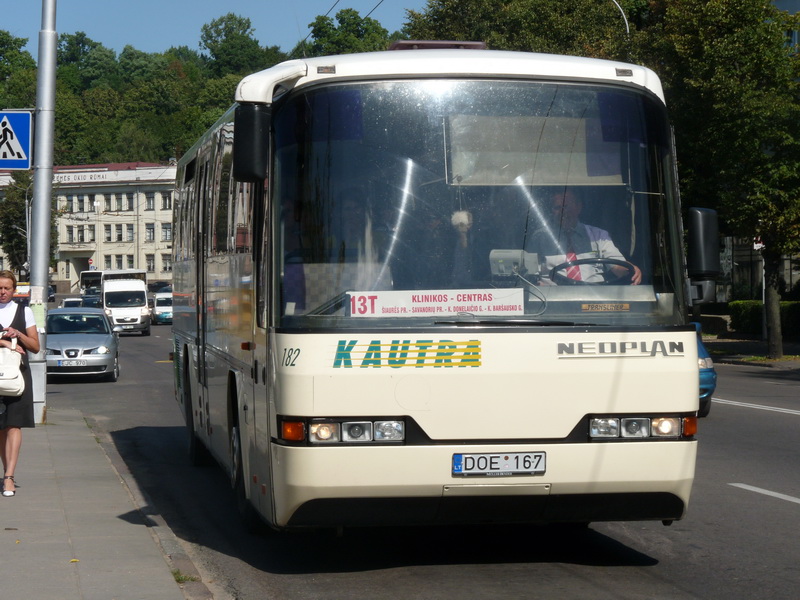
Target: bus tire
[[250, 518]]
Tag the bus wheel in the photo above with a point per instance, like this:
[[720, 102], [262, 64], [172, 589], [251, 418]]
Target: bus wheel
[[198, 455], [250, 518]]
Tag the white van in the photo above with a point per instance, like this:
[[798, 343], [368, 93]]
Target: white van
[[125, 302], [162, 308]]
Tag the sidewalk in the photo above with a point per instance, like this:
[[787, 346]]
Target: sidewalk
[[74, 530], [741, 349]]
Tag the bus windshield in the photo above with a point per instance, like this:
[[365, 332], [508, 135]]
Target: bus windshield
[[432, 201]]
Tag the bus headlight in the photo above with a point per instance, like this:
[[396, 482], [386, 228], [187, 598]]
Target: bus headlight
[[333, 430], [630, 428], [666, 427], [635, 428], [357, 431], [324, 433], [604, 428], [390, 430]]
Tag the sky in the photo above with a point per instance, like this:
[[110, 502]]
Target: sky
[[157, 25]]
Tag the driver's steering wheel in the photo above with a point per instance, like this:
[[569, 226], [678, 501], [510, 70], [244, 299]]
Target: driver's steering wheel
[[624, 279]]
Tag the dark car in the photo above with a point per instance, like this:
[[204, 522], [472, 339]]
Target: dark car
[[708, 375], [92, 302]]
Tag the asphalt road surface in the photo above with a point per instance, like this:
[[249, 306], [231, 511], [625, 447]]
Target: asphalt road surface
[[739, 539]]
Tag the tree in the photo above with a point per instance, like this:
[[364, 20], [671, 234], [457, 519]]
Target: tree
[[12, 55], [577, 27], [230, 43], [732, 83], [353, 34], [13, 220]]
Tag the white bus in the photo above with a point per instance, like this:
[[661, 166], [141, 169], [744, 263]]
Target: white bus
[[94, 279], [372, 322]]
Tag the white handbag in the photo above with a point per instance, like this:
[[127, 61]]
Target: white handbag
[[11, 381]]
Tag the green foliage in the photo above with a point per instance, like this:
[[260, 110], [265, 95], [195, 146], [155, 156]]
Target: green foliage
[[747, 317], [231, 46], [353, 34], [13, 219], [576, 27]]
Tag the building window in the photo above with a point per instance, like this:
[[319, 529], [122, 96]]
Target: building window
[[129, 233], [70, 205], [128, 201], [118, 203], [150, 201], [118, 260], [67, 269], [151, 262], [81, 234], [107, 203], [107, 262], [107, 233], [81, 203], [166, 263], [118, 229], [130, 261], [150, 232], [166, 232], [70, 234], [91, 233], [166, 200], [91, 203]]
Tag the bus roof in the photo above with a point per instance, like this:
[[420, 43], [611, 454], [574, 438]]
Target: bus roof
[[260, 87]]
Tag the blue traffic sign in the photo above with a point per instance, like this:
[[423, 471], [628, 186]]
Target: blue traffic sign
[[16, 137]]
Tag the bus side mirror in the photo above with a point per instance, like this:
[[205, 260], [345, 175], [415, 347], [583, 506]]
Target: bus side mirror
[[251, 142], [703, 264]]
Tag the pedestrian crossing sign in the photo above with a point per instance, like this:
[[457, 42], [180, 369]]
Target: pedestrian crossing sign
[[16, 129]]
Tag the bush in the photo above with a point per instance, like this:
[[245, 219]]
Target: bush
[[746, 317]]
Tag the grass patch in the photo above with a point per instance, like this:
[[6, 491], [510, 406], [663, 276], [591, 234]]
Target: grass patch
[[764, 359], [181, 578]]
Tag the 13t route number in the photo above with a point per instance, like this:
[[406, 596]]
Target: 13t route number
[[362, 305]]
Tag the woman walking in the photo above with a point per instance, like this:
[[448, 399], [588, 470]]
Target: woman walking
[[18, 323]]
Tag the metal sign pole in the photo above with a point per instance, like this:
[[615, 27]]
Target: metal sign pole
[[42, 192]]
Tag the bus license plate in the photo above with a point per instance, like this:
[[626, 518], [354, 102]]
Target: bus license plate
[[72, 363], [499, 464]]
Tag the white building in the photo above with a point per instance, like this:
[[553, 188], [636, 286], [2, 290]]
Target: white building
[[112, 216]]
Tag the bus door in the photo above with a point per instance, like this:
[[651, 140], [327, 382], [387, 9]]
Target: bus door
[[200, 281], [263, 359]]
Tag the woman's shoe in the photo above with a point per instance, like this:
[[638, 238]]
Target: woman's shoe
[[9, 493]]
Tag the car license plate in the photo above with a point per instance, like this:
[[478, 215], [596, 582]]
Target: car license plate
[[499, 464], [72, 363], [127, 326]]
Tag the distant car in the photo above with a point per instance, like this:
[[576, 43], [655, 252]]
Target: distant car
[[92, 302], [157, 286], [70, 303], [82, 342], [708, 375], [162, 308]]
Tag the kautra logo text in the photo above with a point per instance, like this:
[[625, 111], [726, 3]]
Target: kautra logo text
[[407, 353]]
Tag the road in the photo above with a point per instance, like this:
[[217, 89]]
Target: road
[[739, 539]]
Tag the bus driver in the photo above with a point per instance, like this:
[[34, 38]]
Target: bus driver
[[567, 239]]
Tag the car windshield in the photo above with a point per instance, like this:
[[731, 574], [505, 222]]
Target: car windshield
[[125, 299], [76, 323], [164, 301]]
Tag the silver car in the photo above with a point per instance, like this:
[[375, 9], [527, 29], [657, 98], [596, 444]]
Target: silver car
[[82, 341]]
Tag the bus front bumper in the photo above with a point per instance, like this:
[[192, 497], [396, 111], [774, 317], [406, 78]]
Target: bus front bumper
[[372, 486]]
